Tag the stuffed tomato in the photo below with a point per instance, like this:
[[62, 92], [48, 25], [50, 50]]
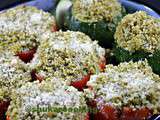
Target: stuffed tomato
[[22, 30], [129, 91], [96, 18], [51, 100], [13, 74], [72, 56]]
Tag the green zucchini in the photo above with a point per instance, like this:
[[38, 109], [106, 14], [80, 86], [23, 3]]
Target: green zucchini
[[137, 38], [122, 55], [61, 10], [101, 30]]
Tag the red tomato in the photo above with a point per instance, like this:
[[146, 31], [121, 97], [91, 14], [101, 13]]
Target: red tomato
[[102, 64], [103, 112], [87, 117], [36, 76], [143, 114], [130, 114], [80, 84], [92, 103], [26, 56], [8, 118], [107, 112], [3, 108], [54, 28]]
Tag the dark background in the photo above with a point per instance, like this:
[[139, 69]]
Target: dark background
[[154, 4]]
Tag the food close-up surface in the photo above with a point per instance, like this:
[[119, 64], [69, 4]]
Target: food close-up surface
[[79, 60]]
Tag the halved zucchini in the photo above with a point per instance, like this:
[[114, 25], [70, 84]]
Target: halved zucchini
[[137, 38], [101, 28]]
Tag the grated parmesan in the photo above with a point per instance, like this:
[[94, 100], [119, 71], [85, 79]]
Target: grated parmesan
[[128, 84], [68, 54], [49, 93]]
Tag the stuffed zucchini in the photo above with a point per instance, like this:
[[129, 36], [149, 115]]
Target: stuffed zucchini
[[96, 18], [50, 100], [129, 91], [138, 37]]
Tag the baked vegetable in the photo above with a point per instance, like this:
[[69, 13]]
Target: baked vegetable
[[13, 74], [70, 55], [4, 103], [51, 99], [138, 37], [129, 91], [96, 18], [22, 30]]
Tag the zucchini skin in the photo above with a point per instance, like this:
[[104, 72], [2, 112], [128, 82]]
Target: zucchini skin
[[96, 30], [100, 31], [122, 55]]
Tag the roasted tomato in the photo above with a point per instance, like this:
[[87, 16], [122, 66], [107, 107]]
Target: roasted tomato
[[26, 56], [54, 28], [128, 114], [8, 118], [139, 114], [36, 76], [107, 112], [143, 113], [87, 117], [3, 108], [102, 64], [80, 84], [103, 112]]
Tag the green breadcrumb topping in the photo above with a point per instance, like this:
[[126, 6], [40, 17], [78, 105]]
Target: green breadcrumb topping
[[138, 32], [69, 55], [13, 74], [128, 84], [22, 27], [49, 93], [18, 41], [97, 10]]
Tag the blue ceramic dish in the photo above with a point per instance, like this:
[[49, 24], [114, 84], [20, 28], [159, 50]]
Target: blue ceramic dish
[[47, 5], [133, 6], [129, 5]]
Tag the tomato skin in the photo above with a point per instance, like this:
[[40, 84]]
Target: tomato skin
[[36, 76], [87, 117], [8, 118], [143, 114], [128, 114], [103, 112], [54, 28], [108, 112], [26, 56], [3, 108], [138, 114], [80, 84], [102, 64]]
